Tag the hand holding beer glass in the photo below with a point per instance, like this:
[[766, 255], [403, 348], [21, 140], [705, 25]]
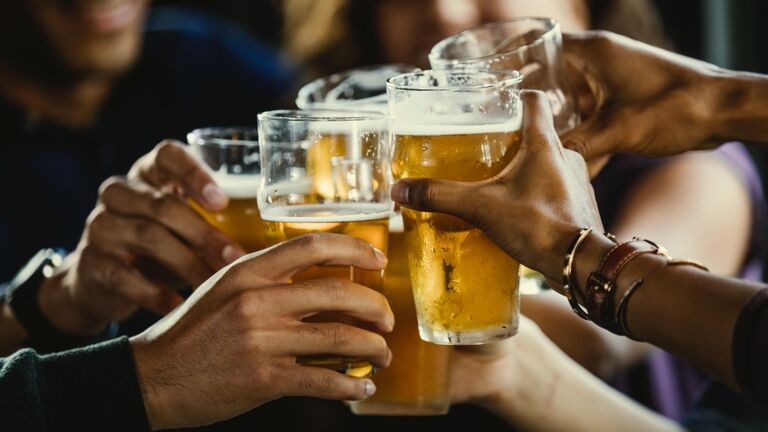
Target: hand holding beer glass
[[327, 171], [232, 154], [532, 46], [457, 125]]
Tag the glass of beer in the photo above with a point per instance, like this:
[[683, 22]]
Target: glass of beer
[[327, 171], [457, 125], [532, 46], [232, 154], [362, 88], [416, 382]]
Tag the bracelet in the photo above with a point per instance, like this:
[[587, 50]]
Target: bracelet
[[568, 284], [601, 284]]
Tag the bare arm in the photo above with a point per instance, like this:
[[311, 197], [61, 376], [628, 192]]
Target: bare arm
[[534, 386]]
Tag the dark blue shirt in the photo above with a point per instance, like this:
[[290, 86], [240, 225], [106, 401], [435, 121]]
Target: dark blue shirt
[[185, 78]]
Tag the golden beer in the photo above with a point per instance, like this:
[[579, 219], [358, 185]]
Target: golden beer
[[240, 221], [416, 382], [465, 287], [364, 221]]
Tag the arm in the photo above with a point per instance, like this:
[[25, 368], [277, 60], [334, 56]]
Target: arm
[[534, 386], [93, 388], [681, 309], [682, 206], [232, 346], [673, 103]]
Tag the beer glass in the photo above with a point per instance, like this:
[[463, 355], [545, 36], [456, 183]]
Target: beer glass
[[327, 171], [532, 46], [416, 382], [362, 88], [232, 154], [457, 125]]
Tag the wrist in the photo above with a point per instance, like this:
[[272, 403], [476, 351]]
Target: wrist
[[150, 392], [62, 310], [592, 251], [734, 104]]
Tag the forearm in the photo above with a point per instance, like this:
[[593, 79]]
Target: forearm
[[92, 388], [559, 395], [678, 308], [740, 111]]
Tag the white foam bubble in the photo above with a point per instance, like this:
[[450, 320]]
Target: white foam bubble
[[323, 213], [396, 223], [239, 186], [454, 128]]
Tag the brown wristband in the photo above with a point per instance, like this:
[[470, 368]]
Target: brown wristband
[[601, 285]]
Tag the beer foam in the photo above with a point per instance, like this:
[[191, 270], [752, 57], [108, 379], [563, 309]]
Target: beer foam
[[396, 223], [432, 129], [347, 127], [321, 213], [239, 186]]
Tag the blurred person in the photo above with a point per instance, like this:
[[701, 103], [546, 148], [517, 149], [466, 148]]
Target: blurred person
[[85, 90], [679, 202], [231, 347]]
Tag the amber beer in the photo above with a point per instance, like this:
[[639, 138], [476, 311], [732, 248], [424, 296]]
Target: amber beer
[[465, 287], [416, 382], [363, 221], [240, 221]]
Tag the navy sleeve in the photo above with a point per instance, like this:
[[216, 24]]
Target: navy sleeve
[[88, 389]]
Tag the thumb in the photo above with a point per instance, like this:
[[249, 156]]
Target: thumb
[[434, 195]]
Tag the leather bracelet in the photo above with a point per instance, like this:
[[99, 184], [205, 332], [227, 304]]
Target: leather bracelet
[[569, 285], [601, 284]]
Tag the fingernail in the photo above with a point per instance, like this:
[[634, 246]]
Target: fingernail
[[400, 192], [214, 196], [231, 254], [380, 256], [370, 388]]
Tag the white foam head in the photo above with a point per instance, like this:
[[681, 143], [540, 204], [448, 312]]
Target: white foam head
[[239, 186], [323, 213], [460, 127]]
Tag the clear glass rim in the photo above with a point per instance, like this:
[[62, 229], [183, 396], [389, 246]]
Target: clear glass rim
[[514, 78], [207, 136], [323, 115], [304, 94], [552, 25]]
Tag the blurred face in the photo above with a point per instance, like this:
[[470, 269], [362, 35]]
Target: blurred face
[[87, 37], [409, 28]]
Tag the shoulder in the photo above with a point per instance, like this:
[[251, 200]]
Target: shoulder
[[208, 55]]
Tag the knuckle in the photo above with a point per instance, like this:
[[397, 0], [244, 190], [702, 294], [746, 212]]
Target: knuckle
[[113, 277], [110, 190], [336, 336], [165, 149], [148, 232], [312, 242], [100, 220], [162, 205]]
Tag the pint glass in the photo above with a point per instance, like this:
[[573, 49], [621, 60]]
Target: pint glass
[[532, 46], [327, 171], [457, 125], [232, 154], [416, 383], [362, 88]]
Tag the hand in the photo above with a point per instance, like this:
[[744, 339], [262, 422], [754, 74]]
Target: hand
[[646, 100], [533, 208], [140, 243], [233, 344]]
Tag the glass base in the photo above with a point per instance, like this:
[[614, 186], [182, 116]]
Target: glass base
[[398, 409], [476, 337]]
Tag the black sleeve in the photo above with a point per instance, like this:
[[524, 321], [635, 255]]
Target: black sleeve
[[87, 389], [750, 349]]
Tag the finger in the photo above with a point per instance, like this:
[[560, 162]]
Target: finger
[[538, 123], [115, 277], [137, 199], [149, 239], [435, 195], [335, 339], [281, 262], [170, 163], [306, 298], [326, 384]]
